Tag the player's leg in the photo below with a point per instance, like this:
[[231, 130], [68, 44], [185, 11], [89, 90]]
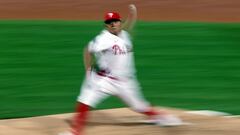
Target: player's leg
[[133, 97], [130, 93], [79, 118], [89, 97]]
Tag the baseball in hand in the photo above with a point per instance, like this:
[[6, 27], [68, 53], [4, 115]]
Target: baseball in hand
[[132, 8]]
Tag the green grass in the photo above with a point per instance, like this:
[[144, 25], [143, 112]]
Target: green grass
[[183, 65]]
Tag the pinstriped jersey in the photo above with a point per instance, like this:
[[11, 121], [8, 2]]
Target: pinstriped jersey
[[113, 53]]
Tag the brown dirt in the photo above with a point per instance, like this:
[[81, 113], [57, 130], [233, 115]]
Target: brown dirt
[[122, 122], [154, 10]]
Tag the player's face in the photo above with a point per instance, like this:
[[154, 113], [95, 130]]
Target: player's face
[[114, 27]]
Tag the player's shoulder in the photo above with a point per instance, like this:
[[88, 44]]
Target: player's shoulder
[[100, 42], [125, 34], [98, 38], [103, 36]]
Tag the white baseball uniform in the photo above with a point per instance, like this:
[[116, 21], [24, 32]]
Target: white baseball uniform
[[115, 74]]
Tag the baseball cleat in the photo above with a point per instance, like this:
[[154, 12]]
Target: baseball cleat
[[169, 120], [66, 133], [165, 120]]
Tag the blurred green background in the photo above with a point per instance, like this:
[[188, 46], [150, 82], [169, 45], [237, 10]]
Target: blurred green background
[[180, 64]]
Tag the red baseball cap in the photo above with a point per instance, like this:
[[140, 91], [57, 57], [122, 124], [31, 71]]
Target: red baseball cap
[[111, 16]]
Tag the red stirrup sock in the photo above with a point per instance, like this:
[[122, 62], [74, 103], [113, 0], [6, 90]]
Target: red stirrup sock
[[79, 119], [151, 112]]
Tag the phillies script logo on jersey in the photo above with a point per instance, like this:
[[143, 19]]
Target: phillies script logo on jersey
[[117, 50]]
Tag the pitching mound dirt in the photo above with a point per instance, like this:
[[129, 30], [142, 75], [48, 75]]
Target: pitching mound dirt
[[122, 122]]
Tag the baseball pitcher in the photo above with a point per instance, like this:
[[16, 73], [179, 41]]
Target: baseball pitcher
[[110, 70]]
